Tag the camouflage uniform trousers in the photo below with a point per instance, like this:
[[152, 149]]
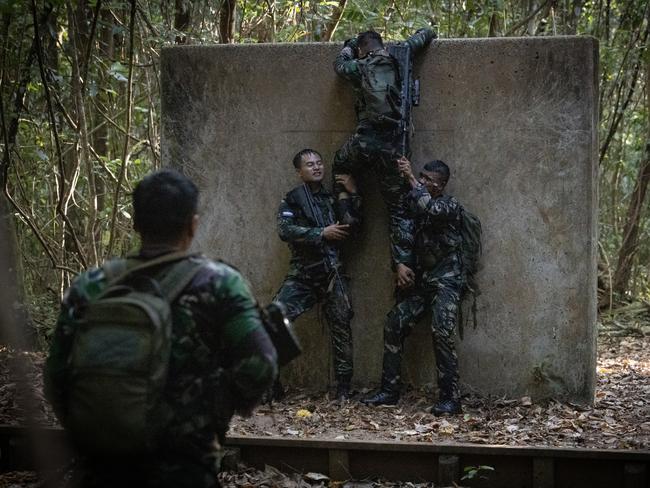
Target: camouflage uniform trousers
[[440, 293], [373, 150], [300, 292]]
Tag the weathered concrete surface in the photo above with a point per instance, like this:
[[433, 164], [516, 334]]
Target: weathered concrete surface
[[516, 121]]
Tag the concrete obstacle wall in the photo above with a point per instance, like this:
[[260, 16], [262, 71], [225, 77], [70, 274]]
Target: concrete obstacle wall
[[515, 119]]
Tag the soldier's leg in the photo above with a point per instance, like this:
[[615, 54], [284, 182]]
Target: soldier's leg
[[394, 190], [339, 313], [445, 306], [399, 324], [349, 159], [297, 295]]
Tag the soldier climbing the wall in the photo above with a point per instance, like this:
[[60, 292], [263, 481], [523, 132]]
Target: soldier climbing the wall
[[309, 221], [375, 145], [436, 285]]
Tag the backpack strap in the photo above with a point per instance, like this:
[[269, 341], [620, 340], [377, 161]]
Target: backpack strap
[[126, 270], [178, 277]]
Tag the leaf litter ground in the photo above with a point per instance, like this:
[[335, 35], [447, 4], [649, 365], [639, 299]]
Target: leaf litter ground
[[619, 418]]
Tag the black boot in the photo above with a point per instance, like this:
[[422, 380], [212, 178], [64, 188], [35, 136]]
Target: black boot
[[449, 407], [274, 394], [342, 392], [382, 397]]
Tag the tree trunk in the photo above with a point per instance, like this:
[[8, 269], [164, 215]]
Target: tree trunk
[[631, 229], [334, 21], [181, 19], [227, 21]]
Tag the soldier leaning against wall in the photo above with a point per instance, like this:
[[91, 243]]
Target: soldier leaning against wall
[[308, 220]]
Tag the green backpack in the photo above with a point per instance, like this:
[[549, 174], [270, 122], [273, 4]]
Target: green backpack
[[120, 356], [380, 87], [471, 251]]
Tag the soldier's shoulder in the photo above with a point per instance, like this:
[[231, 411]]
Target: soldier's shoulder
[[85, 286], [293, 194], [220, 276]]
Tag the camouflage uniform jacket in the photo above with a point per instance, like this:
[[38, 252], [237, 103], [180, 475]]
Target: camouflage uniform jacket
[[297, 227], [221, 360], [437, 229], [347, 66]]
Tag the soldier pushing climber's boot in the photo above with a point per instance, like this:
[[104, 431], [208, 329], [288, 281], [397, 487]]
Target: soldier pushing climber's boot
[[308, 220], [436, 284], [383, 121]]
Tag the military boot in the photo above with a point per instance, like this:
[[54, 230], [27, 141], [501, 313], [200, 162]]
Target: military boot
[[342, 392], [382, 397], [449, 407]]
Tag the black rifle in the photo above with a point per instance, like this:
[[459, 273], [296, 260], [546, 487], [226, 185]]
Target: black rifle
[[317, 215], [409, 94]]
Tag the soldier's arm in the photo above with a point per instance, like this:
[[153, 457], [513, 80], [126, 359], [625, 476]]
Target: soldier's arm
[[421, 39], [345, 63], [348, 211], [290, 231], [252, 358], [444, 207]]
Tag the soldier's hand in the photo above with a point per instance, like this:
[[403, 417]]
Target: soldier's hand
[[405, 276], [336, 232], [404, 167], [347, 181]]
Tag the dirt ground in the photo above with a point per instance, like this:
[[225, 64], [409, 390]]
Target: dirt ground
[[619, 418]]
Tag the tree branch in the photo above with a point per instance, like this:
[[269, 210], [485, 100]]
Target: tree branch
[[55, 135], [125, 152]]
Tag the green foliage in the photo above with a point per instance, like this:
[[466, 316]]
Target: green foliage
[[472, 472], [35, 181]]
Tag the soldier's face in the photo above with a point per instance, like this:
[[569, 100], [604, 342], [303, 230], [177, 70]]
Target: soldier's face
[[311, 170], [434, 182]]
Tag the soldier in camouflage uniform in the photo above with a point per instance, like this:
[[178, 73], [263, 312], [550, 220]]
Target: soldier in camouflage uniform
[[373, 146], [435, 285], [308, 220], [222, 359]]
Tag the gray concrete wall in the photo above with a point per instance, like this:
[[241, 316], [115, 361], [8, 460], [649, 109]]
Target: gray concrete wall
[[516, 121]]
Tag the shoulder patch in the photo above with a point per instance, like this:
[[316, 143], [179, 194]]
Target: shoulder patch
[[287, 213]]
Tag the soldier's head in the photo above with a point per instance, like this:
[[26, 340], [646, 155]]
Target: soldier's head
[[165, 209], [369, 41], [434, 176], [309, 166]]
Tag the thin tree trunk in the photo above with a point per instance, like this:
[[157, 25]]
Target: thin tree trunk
[[61, 206], [125, 152], [181, 19], [632, 223], [227, 21], [337, 13], [78, 92]]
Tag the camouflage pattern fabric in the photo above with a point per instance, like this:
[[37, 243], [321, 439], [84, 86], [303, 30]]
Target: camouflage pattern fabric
[[310, 279], [347, 66], [221, 361], [438, 289], [372, 149], [300, 293]]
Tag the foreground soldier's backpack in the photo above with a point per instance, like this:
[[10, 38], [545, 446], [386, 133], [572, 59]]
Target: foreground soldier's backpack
[[380, 85], [120, 356], [471, 250]]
